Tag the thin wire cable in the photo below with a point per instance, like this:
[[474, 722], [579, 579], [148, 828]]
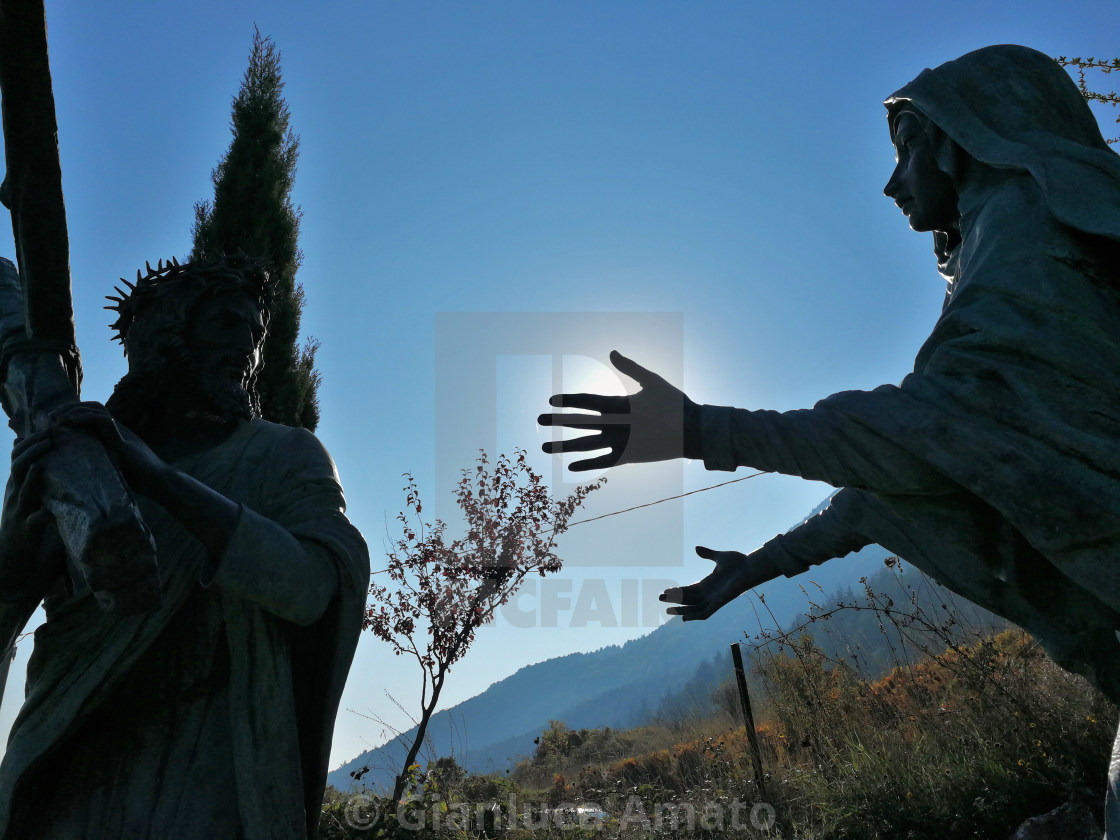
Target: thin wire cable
[[666, 499], [647, 504]]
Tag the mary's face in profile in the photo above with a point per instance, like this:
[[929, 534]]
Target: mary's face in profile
[[924, 193]]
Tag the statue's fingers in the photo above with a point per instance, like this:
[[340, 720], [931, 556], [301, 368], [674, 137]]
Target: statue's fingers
[[672, 595], [27, 451], [727, 559], [684, 595], [573, 421], [31, 490], [600, 463], [632, 369], [93, 418], [26, 472], [87, 409], [587, 443], [697, 612], [591, 402], [69, 411], [39, 520]]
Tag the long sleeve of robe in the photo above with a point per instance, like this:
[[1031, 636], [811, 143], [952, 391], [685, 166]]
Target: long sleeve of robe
[[995, 465]]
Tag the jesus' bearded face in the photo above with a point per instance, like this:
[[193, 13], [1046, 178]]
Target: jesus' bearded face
[[223, 346]]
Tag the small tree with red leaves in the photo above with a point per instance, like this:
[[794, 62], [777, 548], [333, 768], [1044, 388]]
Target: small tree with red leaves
[[453, 587]]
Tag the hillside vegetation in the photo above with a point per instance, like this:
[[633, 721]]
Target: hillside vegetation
[[969, 732]]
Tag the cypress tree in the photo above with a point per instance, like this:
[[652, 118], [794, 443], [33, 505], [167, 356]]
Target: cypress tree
[[252, 210]]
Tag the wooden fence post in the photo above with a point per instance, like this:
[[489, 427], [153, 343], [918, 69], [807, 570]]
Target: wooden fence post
[[748, 720]]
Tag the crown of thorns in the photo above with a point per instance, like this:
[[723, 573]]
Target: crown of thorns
[[237, 272]]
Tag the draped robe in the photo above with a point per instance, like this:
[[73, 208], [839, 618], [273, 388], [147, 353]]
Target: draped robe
[[994, 466], [212, 716]]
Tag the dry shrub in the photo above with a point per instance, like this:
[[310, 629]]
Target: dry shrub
[[968, 743]]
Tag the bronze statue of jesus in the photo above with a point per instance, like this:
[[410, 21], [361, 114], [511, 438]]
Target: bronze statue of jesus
[[211, 715]]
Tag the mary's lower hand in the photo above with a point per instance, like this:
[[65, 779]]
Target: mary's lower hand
[[733, 575]]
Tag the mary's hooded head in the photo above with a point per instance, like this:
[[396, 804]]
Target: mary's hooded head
[[1012, 107]]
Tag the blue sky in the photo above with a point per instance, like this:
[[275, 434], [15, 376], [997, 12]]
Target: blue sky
[[711, 173]]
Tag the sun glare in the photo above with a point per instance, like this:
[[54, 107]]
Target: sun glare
[[584, 375]]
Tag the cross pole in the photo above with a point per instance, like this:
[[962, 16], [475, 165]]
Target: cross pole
[[108, 545]]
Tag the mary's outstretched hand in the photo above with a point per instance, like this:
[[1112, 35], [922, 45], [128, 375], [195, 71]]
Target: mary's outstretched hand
[[733, 575], [659, 423]]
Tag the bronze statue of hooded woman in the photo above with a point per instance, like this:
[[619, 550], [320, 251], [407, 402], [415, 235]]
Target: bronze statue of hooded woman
[[995, 466]]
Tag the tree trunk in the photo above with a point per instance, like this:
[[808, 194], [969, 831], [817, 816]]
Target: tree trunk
[[418, 741]]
